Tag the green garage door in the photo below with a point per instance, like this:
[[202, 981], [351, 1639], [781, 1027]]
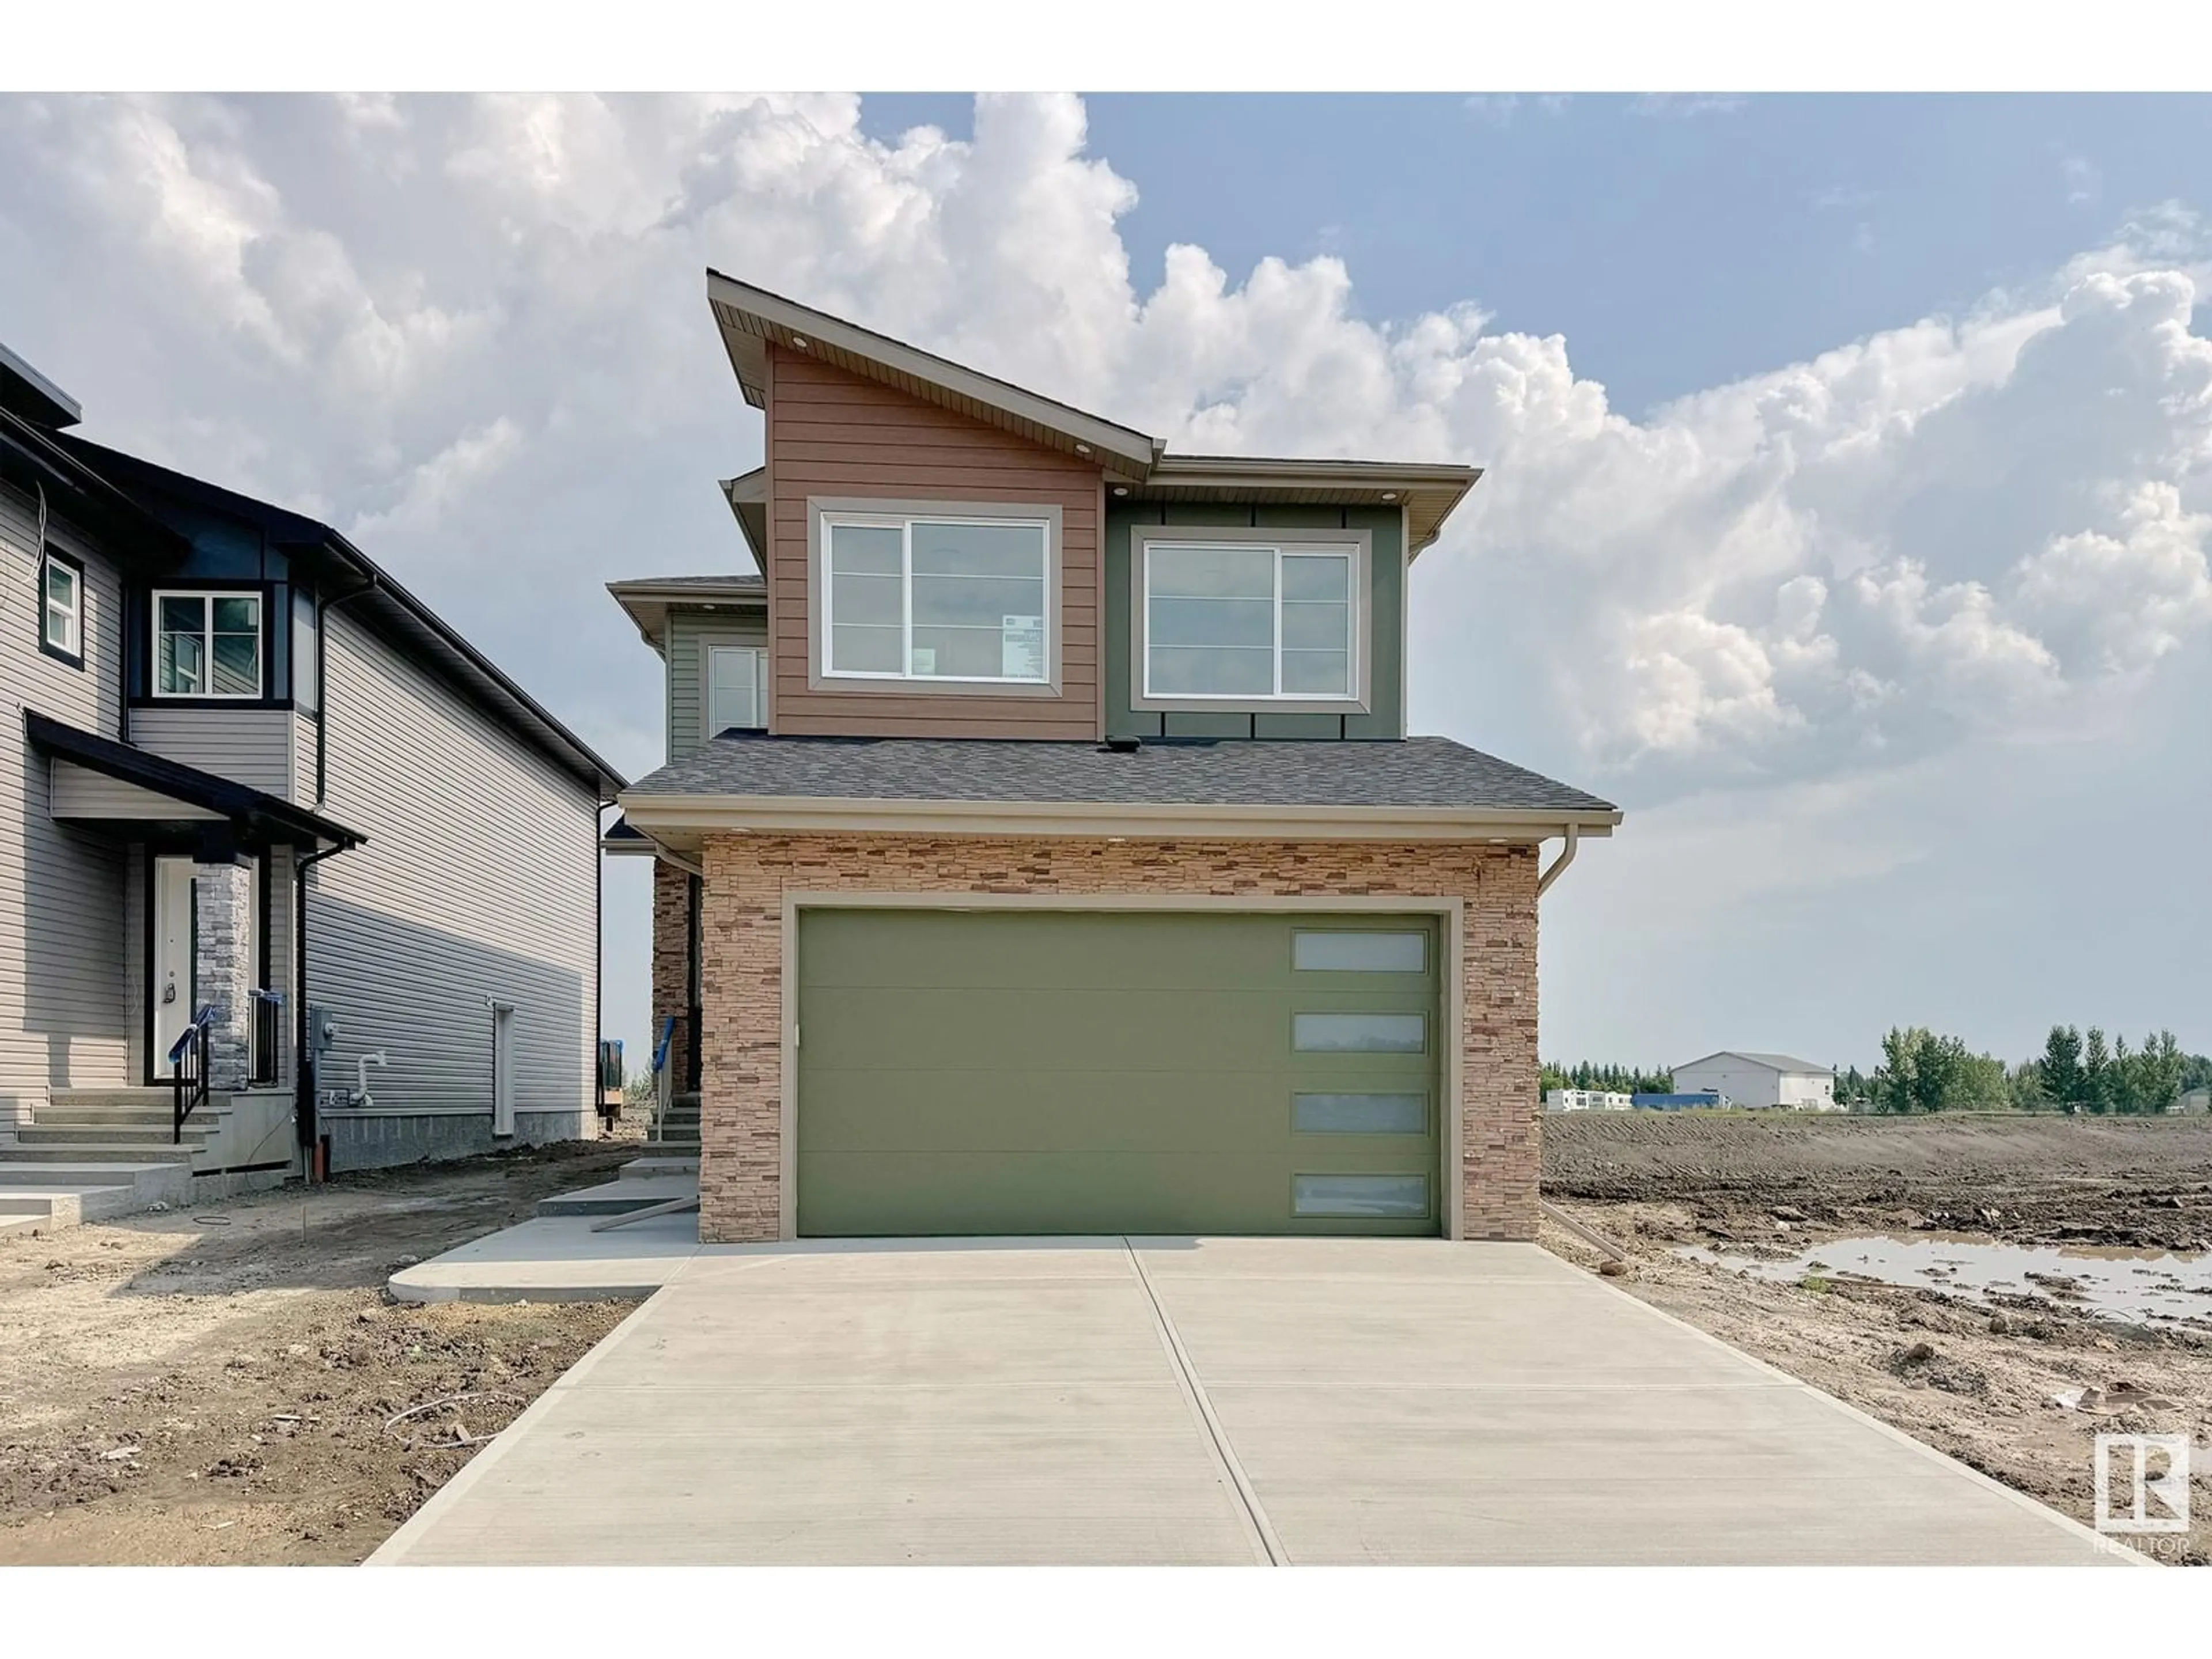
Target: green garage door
[[1070, 1072]]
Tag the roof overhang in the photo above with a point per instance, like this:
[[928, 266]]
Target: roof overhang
[[752, 319], [1426, 491], [96, 780], [747, 495], [1135, 466], [683, 821], [648, 600]]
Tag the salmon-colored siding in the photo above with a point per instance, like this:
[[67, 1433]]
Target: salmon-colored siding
[[831, 434]]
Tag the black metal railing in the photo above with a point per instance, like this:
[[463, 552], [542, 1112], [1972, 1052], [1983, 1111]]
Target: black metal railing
[[268, 1033], [188, 1071], [663, 1089]]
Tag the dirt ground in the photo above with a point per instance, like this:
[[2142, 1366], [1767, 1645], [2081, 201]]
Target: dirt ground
[[1977, 1378], [229, 1384]]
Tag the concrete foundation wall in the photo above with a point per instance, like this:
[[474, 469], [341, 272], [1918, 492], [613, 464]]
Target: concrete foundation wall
[[382, 1140]]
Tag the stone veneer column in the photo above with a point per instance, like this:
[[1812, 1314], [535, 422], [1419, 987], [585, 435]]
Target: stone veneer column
[[672, 963], [222, 916]]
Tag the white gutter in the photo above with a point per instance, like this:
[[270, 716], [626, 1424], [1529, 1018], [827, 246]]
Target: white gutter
[[800, 814], [1560, 864]]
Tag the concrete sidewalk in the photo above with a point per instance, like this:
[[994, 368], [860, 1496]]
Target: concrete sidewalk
[[1193, 1401]]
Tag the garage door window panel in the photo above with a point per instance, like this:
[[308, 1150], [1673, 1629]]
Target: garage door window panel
[[1360, 1196], [1359, 1033], [1347, 952], [1360, 1113]]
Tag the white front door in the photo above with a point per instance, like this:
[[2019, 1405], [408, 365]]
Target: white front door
[[175, 992], [172, 988]]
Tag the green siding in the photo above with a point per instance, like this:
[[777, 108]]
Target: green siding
[[689, 634], [1385, 715], [1051, 1071]]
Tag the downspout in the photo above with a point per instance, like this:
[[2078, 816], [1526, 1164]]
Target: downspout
[[303, 1068], [1560, 864]]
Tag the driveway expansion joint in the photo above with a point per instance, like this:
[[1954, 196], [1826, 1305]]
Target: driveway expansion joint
[[1194, 1391]]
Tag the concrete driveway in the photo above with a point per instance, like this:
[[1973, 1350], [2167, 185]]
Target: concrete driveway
[[1194, 1401]]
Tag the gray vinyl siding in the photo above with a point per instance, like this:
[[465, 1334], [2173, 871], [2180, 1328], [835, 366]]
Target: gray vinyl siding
[[477, 884], [690, 632], [248, 746], [64, 992], [78, 791]]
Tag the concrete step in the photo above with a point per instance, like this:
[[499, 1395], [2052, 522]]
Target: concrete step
[[156, 1117], [44, 1209], [136, 1150], [689, 1098], [653, 1167], [148, 1095], [620, 1197], [162, 1178], [42, 1134]]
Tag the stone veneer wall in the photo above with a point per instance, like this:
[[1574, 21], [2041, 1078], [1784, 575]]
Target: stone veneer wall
[[672, 964], [740, 1175]]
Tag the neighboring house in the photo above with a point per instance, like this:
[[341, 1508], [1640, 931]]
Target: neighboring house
[[1761, 1081], [2191, 1103], [1586, 1100], [1059, 862], [222, 712]]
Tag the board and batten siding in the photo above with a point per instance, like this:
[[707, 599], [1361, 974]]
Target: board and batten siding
[[476, 885], [691, 634], [252, 745], [64, 995], [834, 434], [1383, 612]]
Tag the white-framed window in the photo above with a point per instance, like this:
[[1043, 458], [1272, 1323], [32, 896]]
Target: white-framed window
[[736, 688], [918, 596], [207, 645], [1251, 622], [61, 607]]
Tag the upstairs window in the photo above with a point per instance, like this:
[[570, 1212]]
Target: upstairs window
[[207, 645], [919, 598], [61, 610], [1248, 622], [736, 688]]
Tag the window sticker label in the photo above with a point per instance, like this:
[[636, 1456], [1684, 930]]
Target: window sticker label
[[1020, 647], [924, 659]]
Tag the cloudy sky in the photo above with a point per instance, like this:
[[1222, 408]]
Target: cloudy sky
[[1850, 461]]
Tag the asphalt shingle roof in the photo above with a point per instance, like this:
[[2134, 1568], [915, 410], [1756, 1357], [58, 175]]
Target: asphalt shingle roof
[[1419, 772]]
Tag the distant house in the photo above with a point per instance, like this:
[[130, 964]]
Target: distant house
[[1585, 1100], [1755, 1079], [2194, 1102]]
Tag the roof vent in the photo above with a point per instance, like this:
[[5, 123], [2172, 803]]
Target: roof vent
[[1122, 745]]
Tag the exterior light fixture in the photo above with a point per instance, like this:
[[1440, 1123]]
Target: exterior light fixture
[[1389, 495], [1120, 489], [1083, 449], [799, 343]]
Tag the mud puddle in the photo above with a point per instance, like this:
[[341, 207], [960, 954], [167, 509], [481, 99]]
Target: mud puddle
[[2140, 1287]]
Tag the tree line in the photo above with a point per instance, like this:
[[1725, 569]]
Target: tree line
[[2078, 1070], [1923, 1071]]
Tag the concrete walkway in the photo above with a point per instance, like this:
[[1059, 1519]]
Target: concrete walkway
[[1181, 1400]]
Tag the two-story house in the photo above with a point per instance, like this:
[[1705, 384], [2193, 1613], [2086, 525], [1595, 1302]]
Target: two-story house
[[278, 848], [1041, 848]]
